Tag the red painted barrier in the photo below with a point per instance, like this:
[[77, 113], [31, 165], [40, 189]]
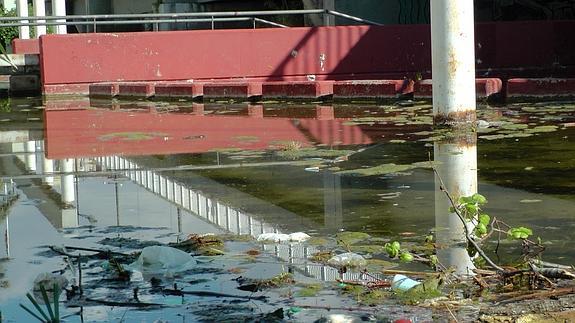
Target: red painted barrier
[[509, 49], [232, 90], [370, 89], [137, 90], [535, 88], [297, 90], [172, 90], [25, 46], [484, 88], [104, 90]]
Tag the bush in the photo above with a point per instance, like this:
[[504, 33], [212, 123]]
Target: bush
[[7, 33]]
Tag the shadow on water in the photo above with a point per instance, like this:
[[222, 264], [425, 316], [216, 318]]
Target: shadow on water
[[124, 176]]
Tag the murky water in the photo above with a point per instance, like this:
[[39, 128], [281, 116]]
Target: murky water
[[74, 173]]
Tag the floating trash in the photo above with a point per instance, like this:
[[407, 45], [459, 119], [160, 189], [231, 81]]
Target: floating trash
[[348, 259], [162, 260], [403, 283]]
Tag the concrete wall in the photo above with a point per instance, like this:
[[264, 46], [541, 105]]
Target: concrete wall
[[518, 49]]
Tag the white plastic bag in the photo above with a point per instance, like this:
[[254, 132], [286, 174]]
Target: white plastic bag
[[403, 283], [348, 259], [162, 260]]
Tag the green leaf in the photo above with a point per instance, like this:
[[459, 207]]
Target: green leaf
[[406, 257], [520, 233], [471, 208], [484, 219], [478, 199], [451, 209], [392, 249], [481, 229], [465, 200]]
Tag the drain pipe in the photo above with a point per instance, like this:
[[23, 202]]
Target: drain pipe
[[453, 62]]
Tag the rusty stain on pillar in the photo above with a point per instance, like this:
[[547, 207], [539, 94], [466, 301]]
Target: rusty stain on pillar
[[453, 62]]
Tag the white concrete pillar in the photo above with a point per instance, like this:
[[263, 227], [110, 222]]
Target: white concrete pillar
[[457, 166], [67, 181], [9, 4], [59, 9], [30, 158], [22, 11], [40, 11], [453, 62]]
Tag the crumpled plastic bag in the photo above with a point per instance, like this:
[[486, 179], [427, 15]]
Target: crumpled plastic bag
[[282, 237], [48, 280], [348, 259], [403, 283], [162, 260]]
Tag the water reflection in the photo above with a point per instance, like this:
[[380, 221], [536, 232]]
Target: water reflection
[[456, 163]]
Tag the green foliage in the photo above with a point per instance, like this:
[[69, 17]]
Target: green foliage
[[406, 256], [519, 233], [53, 314], [7, 33], [470, 208], [392, 249]]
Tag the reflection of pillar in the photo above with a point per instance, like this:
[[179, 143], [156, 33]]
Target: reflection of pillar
[[67, 181], [22, 11], [47, 168], [198, 109], [332, 200], [457, 166], [5, 239], [59, 9], [256, 111], [324, 112], [30, 148], [70, 218], [40, 11]]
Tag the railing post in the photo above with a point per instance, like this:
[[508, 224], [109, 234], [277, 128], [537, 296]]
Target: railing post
[[328, 19], [213, 23], [59, 9], [22, 11], [40, 11], [453, 62]]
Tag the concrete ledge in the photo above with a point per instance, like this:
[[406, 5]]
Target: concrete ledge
[[297, 90], [19, 60], [372, 89], [26, 46], [485, 88], [136, 90], [174, 90], [540, 88], [104, 90], [81, 89], [232, 90]]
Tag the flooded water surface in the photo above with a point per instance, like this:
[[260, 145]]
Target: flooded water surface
[[103, 180]]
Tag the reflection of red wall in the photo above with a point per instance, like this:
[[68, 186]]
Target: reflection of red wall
[[538, 48], [86, 133]]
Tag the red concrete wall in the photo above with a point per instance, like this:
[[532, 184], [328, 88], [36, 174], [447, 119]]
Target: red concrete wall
[[25, 46], [344, 52]]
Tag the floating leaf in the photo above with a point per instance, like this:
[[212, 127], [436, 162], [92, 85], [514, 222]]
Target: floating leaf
[[406, 257]]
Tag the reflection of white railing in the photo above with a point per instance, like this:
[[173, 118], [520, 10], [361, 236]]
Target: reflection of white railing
[[226, 217]]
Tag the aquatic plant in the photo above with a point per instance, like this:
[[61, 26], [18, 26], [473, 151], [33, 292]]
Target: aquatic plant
[[53, 314]]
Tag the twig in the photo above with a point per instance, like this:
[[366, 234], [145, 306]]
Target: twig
[[178, 292], [467, 235], [557, 292], [451, 313]]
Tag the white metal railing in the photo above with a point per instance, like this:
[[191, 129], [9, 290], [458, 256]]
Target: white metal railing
[[155, 19]]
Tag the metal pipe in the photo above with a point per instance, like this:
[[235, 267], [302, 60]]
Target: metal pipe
[[129, 22], [453, 62], [353, 18]]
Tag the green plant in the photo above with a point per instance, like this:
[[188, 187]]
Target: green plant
[[7, 33], [53, 315], [393, 250]]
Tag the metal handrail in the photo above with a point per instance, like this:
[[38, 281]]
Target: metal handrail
[[169, 17], [141, 21]]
